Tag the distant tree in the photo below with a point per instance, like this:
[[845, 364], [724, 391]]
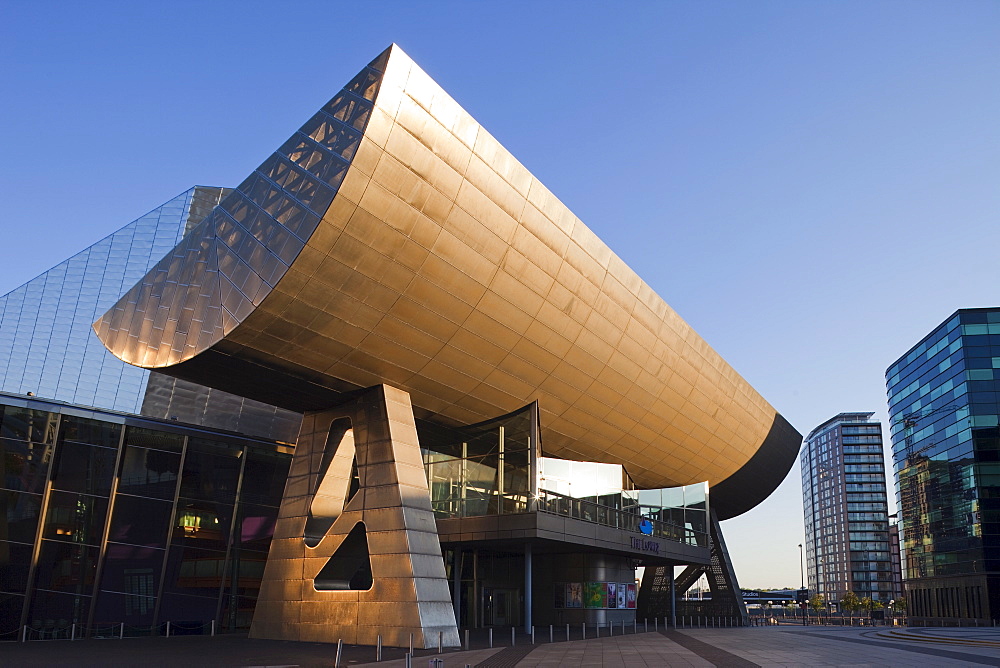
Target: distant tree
[[850, 602], [866, 604], [817, 602], [877, 605], [899, 605]]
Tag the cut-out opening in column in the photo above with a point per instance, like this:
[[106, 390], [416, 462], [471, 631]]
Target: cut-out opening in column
[[350, 567], [322, 512]]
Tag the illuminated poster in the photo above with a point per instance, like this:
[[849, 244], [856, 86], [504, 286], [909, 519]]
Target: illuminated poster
[[630, 596], [623, 595], [574, 595], [612, 595], [595, 595]]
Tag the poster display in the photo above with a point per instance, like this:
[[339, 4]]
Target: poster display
[[595, 595], [574, 595], [612, 594]]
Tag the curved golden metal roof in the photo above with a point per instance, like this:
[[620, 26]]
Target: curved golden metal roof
[[423, 255]]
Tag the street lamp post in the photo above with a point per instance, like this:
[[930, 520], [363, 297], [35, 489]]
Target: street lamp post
[[802, 575], [802, 567]]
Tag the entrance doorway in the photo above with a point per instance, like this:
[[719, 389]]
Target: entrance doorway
[[501, 607]]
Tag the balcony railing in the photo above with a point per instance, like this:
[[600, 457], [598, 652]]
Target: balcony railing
[[568, 506]]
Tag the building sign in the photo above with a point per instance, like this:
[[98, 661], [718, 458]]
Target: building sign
[[645, 544]]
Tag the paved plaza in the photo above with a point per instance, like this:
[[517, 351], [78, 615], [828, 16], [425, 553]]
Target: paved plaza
[[741, 647]]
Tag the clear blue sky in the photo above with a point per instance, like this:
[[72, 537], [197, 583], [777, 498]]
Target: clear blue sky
[[812, 185]]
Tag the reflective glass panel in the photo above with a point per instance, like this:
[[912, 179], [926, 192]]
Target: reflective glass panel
[[210, 473], [94, 432], [19, 516], [52, 610], [77, 518], [28, 425], [256, 526], [202, 524], [147, 472], [84, 468], [15, 560], [264, 477], [66, 567], [10, 615], [194, 571], [140, 521], [25, 464], [130, 569], [133, 610]]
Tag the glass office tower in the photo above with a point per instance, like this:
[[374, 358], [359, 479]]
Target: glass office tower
[[944, 410], [846, 510]]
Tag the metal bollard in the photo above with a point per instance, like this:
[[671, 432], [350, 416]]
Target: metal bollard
[[121, 631], [567, 633], [623, 627], [584, 625], [512, 639], [646, 622], [466, 640], [611, 628], [72, 633], [168, 629], [24, 633], [440, 642], [532, 634], [378, 647], [408, 660], [213, 627], [340, 647], [491, 638], [411, 644], [550, 633]]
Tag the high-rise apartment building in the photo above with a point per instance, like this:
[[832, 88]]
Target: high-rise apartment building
[[846, 509], [944, 411]]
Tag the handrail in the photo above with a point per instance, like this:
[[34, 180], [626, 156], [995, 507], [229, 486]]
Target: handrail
[[555, 503]]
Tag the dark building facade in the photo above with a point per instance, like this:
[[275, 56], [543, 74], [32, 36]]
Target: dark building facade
[[845, 504], [114, 523], [944, 410]]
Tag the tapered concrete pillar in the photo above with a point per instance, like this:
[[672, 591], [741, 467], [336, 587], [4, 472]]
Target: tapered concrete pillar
[[357, 563]]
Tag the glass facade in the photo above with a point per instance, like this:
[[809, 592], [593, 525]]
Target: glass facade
[[493, 468], [111, 519], [46, 343], [845, 504], [944, 409]]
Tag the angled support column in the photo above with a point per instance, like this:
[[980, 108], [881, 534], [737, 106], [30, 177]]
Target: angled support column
[[355, 558]]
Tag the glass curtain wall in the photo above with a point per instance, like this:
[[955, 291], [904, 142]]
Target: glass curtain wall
[[137, 525], [493, 468], [483, 469]]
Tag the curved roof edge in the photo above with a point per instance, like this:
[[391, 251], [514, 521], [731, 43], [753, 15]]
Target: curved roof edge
[[761, 475]]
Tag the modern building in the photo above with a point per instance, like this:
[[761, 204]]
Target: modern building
[[48, 348], [846, 510], [112, 523], [944, 410], [501, 421]]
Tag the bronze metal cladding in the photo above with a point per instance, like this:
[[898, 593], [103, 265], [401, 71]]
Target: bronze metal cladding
[[361, 567], [440, 265]]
